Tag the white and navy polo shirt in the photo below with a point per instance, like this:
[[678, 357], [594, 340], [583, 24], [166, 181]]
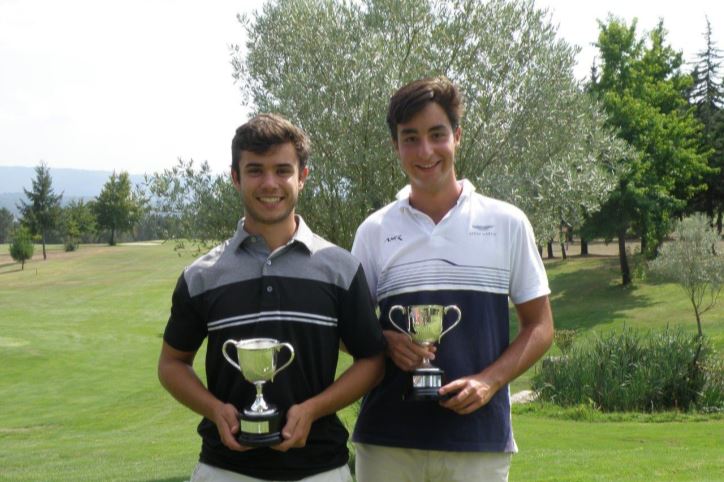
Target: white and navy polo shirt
[[309, 293], [480, 254]]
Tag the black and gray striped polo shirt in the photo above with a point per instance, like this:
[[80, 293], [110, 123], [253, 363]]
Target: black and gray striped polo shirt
[[309, 293]]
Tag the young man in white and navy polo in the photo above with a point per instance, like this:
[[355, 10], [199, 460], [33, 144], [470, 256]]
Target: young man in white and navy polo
[[442, 243]]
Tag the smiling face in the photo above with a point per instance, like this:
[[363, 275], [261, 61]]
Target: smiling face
[[426, 147], [269, 185]]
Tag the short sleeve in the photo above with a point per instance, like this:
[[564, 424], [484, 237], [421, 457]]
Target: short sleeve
[[528, 278], [186, 328], [361, 251], [359, 328]]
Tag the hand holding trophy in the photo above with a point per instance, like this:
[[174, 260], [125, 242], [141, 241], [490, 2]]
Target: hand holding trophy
[[259, 424], [425, 327]]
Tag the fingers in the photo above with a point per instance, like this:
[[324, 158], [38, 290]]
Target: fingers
[[295, 431], [470, 395], [406, 354], [227, 423]]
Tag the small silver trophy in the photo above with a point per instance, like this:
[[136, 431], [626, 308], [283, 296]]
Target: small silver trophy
[[259, 424], [425, 327]]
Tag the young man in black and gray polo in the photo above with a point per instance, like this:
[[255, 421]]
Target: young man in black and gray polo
[[276, 279]]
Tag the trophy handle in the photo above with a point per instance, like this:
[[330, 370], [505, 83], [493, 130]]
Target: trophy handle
[[455, 309], [291, 358], [402, 309], [226, 355]]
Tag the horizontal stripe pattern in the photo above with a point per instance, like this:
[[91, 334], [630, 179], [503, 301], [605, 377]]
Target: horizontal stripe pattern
[[271, 316], [441, 274]]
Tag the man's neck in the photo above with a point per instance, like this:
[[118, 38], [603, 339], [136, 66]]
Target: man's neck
[[436, 204], [275, 235]]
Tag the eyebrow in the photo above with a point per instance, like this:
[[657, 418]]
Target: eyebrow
[[411, 130]]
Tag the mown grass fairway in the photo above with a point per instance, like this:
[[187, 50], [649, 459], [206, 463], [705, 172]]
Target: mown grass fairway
[[79, 397]]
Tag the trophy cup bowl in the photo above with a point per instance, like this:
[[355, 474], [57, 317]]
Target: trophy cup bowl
[[425, 327], [260, 424]]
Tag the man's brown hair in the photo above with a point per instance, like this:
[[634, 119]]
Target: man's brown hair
[[265, 131], [413, 97]]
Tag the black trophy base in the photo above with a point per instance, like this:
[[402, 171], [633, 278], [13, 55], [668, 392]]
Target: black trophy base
[[260, 430], [424, 386]]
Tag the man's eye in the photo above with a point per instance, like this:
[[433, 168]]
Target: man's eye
[[409, 140]]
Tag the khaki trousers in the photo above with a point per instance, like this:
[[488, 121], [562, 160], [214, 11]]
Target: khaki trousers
[[377, 463]]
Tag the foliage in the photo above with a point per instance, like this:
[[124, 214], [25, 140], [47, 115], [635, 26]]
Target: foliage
[[117, 207], [644, 94], [195, 204], [530, 136], [707, 96], [625, 371], [21, 247], [77, 223], [6, 223], [564, 339], [692, 261], [42, 211]]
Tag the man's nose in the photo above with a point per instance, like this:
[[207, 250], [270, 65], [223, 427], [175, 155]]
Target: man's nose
[[425, 148]]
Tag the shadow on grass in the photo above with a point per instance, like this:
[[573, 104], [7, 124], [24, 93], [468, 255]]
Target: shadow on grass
[[10, 270], [586, 292]]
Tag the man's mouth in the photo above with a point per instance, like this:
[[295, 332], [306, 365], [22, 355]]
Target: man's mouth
[[429, 165], [270, 199]]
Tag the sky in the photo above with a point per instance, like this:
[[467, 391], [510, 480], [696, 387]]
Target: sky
[[135, 85]]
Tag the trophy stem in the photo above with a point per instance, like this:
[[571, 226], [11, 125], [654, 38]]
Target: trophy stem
[[260, 405]]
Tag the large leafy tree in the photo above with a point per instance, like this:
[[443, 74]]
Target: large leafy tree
[[194, 204], [6, 223], [643, 91], [77, 223], [41, 211], [530, 136], [707, 95], [117, 207]]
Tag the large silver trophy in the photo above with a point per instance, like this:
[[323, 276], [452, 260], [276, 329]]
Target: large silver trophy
[[261, 423], [425, 327]]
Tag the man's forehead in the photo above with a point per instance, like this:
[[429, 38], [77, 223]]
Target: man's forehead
[[407, 129], [277, 155]]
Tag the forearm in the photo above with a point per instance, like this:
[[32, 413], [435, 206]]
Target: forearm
[[358, 379], [181, 381], [528, 347]]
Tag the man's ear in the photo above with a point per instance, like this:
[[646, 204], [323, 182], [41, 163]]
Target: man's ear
[[303, 174], [235, 179], [458, 135], [395, 146]]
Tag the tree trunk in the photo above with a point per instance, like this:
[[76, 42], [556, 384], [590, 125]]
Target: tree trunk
[[625, 270], [719, 221], [112, 242], [584, 247], [550, 250], [698, 317], [45, 256], [563, 250]]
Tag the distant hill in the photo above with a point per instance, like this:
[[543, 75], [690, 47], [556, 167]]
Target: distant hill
[[73, 183]]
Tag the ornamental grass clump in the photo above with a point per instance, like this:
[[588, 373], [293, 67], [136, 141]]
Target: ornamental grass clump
[[628, 371]]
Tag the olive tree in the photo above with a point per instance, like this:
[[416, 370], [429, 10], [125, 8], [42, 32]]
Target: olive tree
[[694, 261], [531, 136]]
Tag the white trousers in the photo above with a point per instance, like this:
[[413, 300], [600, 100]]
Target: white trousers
[[208, 473]]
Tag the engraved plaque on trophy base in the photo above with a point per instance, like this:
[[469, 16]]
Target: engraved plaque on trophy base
[[260, 430]]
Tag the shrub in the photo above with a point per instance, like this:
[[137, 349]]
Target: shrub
[[564, 339], [628, 372], [21, 249]]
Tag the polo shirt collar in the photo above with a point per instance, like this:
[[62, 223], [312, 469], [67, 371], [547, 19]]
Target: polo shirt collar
[[303, 234], [403, 195]]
